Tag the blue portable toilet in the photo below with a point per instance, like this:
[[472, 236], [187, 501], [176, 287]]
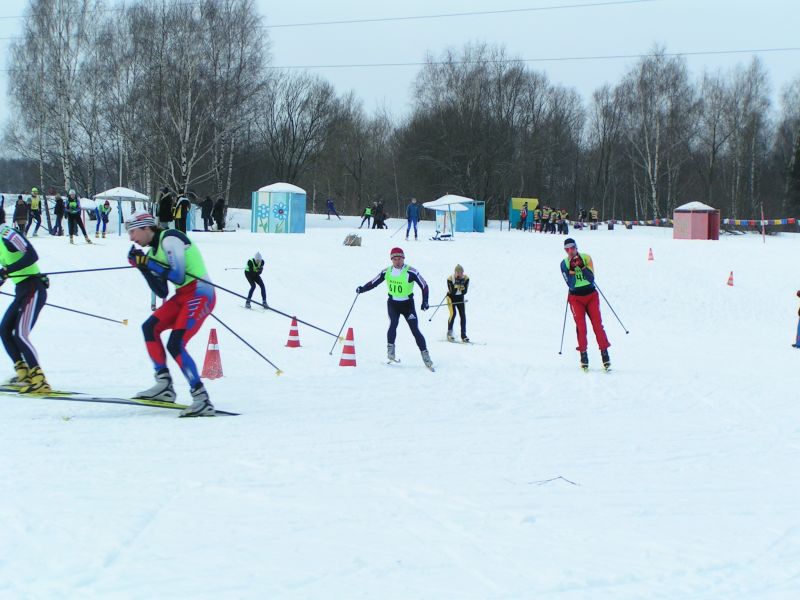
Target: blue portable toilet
[[473, 219], [279, 208]]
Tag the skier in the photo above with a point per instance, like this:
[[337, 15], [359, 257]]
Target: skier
[[331, 209], [400, 279], [74, 219], [35, 213], [102, 217], [172, 257], [19, 263], [412, 215], [181, 212], [367, 216], [252, 272], [578, 271], [457, 285]]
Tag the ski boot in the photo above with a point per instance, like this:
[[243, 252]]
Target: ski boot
[[426, 358], [201, 405], [104, 235], [88, 241], [96, 234], [390, 353], [247, 304], [606, 359], [450, 337], [265, 305], [465, 339], [37, 383], [161, 391], [585, 361], [71, 239], [21, 378]]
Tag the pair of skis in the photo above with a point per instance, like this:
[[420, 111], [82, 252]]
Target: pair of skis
[[79, 397], [394, 361]]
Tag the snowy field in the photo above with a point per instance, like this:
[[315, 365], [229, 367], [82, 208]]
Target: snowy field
[[507, 474]]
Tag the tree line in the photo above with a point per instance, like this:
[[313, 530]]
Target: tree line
[[162, 92]]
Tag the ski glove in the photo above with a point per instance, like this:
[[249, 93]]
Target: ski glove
[[424, 306], [359, 290], [577, 262], [3, 275], [137, 258]]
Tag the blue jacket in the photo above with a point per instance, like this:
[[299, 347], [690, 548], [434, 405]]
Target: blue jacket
[[412, 212]]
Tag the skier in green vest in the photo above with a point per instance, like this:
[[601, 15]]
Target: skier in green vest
[[172, 257], [400, 279], [19, 263]]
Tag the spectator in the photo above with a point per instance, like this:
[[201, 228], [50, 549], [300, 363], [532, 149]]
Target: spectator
[[219, 213], [165, 202], [20, 214], [206, 210], [58, 210], [35, 213]]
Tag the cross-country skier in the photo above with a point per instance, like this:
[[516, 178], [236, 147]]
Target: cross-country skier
[[400, 279], [172, 257], [457, 285], [74, 220], [578, 271], [19, 263], [102, 218], [252, 272], [412, 216]]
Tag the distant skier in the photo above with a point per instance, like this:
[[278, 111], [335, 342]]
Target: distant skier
[[578, 271], [457, 285], [35, 213], [412, 216], [172, 257], [331, 209], [19, 263], [102, 218], [366, 216], [400, 279], [252, 272], [74, 220], [58, 210]]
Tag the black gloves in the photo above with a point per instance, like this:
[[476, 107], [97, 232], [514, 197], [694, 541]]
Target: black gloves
[[359, 290], [424, 305]]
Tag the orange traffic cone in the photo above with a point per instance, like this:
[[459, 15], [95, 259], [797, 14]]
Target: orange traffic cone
[[650, 255], [730, 279], [212, 365], [294, 335], [348, 351]]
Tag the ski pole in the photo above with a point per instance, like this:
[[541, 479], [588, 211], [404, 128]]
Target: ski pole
[[611, 307], [445, 304], [241, 339], [564, 326], [233, 268], [238, 295], [438, 306], [338, 336], [76, 271], [80, 312], [396, 231]]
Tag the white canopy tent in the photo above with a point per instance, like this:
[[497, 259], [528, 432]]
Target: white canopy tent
[[121, 194], [445, 208]]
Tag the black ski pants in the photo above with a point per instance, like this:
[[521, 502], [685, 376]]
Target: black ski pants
[[20, 317], [454, 306], [254, 279], [404, 308]]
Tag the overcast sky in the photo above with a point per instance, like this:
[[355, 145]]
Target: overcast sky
[[562, 29]]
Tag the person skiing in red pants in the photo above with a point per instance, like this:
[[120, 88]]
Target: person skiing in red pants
[[578, 271]]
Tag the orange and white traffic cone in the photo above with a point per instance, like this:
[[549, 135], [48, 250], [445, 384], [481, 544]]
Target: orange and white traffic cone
[[294, 335], [212, 365], [650, 255], [348, 351], [730, 279]]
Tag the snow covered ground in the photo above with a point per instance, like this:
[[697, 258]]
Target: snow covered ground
[[507, 474]]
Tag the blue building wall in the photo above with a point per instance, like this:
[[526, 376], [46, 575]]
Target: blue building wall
[[473, 219]]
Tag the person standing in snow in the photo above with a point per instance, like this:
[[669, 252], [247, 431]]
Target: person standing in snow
[[58, 210], [219, 213], [19, 263], [457, 285], [165, 200], [400, 279], [74, 220], [20, 214], [35, 213], [412, 215], [181, 212], [172, 257], [102, 218], [366, 216], [252, 272], [578, 272], [205, 213]]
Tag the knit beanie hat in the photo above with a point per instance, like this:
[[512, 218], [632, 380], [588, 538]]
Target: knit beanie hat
[[140, 220], [397, 252], [570, 243]]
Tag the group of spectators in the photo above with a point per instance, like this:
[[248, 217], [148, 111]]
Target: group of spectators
[[28, 214], [174, 207], [544, 220], [378, 215]]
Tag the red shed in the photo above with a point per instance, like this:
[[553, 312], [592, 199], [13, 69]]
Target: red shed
[[695, 221]]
